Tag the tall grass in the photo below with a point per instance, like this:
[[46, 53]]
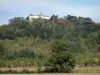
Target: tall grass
[[87, 70], [13, 72]]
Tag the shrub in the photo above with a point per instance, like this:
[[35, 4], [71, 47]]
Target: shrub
[[2, 51], [61, 59], [96, 61]]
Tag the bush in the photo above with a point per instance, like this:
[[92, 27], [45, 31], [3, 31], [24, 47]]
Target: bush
[[96, 61], [61, 59], [2, 51]]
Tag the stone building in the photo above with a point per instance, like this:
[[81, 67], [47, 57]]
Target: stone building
[[31, 17]]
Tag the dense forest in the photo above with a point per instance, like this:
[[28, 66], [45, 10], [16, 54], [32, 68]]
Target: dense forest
[[24, 43]]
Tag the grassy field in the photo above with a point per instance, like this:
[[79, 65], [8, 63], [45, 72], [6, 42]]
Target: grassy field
[[58, 74], [19, 69], [34, 69], [87, 70]]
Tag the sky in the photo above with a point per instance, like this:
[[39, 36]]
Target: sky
[[22, 8]]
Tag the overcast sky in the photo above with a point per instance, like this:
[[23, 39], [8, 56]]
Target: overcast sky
[[16, 8]]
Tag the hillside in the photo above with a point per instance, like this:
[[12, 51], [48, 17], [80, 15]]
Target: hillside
[[27, 43]]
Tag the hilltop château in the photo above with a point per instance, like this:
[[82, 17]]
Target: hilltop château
[[31, 17]]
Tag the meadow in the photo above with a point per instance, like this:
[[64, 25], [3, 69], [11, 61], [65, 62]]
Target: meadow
[[29, 70]]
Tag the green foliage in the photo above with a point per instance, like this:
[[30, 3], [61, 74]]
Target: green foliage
[[61, 60], [59, 45], [26, 54], [19, 62], [2, 51], [96, 60], [89, 61], [25, 43], [66, 27]]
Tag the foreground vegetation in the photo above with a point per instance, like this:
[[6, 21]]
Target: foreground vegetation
[[89, 69], [34, 70], [58, 44]]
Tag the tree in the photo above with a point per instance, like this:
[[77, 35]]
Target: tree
[[54, 18], [61, 60], [16, 20], [2, 51]]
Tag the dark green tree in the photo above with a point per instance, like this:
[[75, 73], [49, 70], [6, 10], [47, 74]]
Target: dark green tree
[[61, 59]]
